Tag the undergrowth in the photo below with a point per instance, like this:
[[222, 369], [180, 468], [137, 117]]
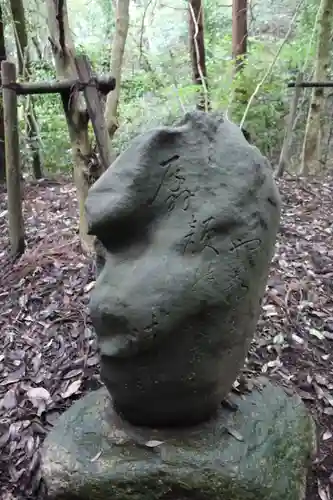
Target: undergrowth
[[158, 89]]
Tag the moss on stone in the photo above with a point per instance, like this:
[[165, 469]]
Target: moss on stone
[[203, 463]]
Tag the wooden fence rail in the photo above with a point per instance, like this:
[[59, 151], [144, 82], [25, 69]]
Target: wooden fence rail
[[310, 85], [102, 84]]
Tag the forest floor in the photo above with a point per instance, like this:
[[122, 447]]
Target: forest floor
[[48, 351]]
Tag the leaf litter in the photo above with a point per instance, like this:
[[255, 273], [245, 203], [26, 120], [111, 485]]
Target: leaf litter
[[49, 353]]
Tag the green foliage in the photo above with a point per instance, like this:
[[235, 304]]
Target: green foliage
[[141, 83], [217, 18], [157, 85], [265, 119], [267, 115], [53, 135]]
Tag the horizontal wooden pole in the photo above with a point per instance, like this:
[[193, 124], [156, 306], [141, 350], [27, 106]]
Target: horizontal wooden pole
[[103, 84], [309, 84]]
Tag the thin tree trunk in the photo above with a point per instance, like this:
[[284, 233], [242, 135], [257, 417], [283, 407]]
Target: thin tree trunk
[[239, 96], [284, 156], [117, 56], [2, 129], [37, 46], [197, 52], [239, 33], [311, 152], [74, 108], [22, 48]]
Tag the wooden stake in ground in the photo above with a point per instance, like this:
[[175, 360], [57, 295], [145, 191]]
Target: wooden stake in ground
[[12, 151], [2, 132]]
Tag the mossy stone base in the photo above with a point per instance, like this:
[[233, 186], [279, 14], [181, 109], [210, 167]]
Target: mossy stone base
[[261, 451]]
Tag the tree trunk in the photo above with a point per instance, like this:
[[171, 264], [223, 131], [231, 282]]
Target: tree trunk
[[311, 152], [239, 96], [239, 33], [74, 108], [288, 136], [22, 48], [2, 129], [197, 52], [117, 55]]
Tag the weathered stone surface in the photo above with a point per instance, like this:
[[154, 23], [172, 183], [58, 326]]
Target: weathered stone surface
[[188, 217], [259, 452]]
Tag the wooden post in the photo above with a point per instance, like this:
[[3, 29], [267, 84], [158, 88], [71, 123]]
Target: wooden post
[[94, 108], [12, 152], [284, 156]]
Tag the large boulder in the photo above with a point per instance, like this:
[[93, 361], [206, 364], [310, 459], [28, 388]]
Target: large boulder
[[259, 452], [187, 217]]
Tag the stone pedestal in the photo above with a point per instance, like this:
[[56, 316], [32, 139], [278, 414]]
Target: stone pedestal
[[261, 451]]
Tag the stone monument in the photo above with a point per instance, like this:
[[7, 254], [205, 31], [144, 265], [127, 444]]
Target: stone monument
[[186, 221]]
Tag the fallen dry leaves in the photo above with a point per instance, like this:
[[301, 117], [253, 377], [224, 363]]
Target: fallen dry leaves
[[48, 355], [49, 358]]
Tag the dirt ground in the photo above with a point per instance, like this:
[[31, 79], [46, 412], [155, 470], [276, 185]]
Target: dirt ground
[[48, 353]]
